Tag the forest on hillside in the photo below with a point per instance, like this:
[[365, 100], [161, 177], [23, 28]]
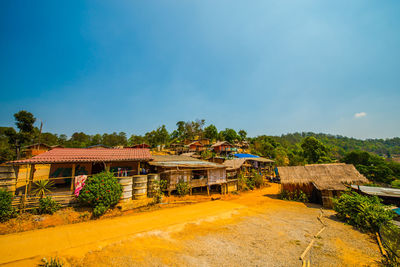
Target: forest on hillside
[[288, 149]]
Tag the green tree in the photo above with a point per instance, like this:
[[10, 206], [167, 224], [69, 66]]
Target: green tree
[[314, 150], [49, 138], [157, 137], [373, 167], [24, 121], [79, 140], [230, 135], [136, 139], [211, 132], [180, 131], [242, 134]]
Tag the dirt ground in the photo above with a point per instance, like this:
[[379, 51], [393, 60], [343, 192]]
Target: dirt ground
[[253, 229]]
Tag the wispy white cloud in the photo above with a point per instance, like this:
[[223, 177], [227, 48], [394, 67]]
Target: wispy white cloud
[[360, 115]]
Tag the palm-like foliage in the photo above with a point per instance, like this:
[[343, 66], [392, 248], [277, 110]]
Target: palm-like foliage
[[42, 187]]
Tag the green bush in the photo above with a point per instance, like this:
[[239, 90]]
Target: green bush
[[6, 211], [390, 235], [250, 183], [396, 184], [297, 195], [101, 192], [207, 154], [48, 206], [159, 187], [258, 180], [242, 182], [54, 262], [364, 212], [182, 187]]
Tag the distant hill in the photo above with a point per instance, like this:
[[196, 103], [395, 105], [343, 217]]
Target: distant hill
[[340, 145]]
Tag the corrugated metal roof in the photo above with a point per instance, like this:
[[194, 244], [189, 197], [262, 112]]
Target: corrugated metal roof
[[378, 191], [66, 155], [187, 163]]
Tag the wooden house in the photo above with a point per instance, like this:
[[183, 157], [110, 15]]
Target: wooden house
[[197, 173], [143, 145], [35, 149], [320, 182], [247, 165], [66, 163], [196, 146], [223, 147], [204, 141]]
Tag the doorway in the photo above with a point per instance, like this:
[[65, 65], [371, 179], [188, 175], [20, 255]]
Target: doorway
[[98, 167]]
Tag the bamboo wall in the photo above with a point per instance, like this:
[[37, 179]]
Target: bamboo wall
[[42, 171], [217, 176], [306, 188]]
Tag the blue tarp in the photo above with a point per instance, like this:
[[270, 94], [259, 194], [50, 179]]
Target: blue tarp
[[245, 156], [397, 211]]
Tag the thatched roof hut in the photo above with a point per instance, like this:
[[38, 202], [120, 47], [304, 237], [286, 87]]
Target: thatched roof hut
[[328, 179], [323, 176]]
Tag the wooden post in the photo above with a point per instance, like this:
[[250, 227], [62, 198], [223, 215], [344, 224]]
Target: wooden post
[[73, 176], [107, 166], [138, 169], [31, 174], [26, 191]]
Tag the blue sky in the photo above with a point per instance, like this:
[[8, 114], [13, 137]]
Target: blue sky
[[269, 67]]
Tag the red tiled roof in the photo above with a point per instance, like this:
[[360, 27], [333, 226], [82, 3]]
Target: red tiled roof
[[64, 155]]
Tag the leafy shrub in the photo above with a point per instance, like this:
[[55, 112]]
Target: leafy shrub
[[182, 187], [99, 210], [250, 183], [207, 154], [258, 179], [390, 235], [364, 212], [6, 211], [159, 187], [242, 182], [48, 206], [54, 262], [297, 195], [396, 184], [101, 192]]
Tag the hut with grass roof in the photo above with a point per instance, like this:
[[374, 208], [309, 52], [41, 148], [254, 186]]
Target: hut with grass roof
[[320, 182]]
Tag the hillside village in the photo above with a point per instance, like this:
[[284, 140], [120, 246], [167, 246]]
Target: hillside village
[[51, 178]]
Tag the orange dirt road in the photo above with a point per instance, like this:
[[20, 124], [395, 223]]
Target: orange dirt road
[[253, 229], [83, 237]]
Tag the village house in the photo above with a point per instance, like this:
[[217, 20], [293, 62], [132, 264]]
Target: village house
[[196, 146], [143, 145], [35, 149], [66, 164], [320, 182], [198, 174], [246, 164], [223, 147]]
